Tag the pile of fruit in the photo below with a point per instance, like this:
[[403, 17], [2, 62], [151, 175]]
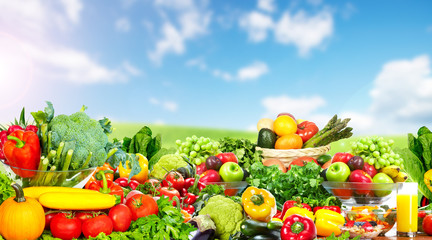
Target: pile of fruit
[[285, 132]]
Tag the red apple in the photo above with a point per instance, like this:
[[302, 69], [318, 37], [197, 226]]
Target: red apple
[[360, 176], [288, 114], [227, 157], [209, 176], [369, 169]]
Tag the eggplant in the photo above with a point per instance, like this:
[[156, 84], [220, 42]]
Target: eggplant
[[206, 227]]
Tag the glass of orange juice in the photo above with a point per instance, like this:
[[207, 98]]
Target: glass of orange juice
[[407, 204]]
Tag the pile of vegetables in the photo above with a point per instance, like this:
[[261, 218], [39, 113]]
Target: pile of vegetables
[[244, 149]]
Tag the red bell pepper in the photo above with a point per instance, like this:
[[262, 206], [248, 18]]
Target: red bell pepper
[[106, 186], [22, 151], [306, 130], [297, 227], [124, 182], [332, 208], [294, 203]]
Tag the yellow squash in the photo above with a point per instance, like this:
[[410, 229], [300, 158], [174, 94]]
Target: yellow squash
[[21, 217], [35, 192], [77, 201]]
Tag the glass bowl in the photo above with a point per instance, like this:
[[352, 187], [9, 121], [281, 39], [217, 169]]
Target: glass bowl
[[384, 217], [30, 178], [232, 188], [421, 215], [351, 193]]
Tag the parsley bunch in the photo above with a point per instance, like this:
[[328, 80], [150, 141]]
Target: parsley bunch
[[304, 182]]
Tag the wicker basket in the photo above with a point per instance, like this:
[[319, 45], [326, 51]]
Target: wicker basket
[[287, 156]]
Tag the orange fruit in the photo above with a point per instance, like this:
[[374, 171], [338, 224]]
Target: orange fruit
[[284, 125], [289, 141]]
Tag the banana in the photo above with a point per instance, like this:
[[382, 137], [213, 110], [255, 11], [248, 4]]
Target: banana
[[401, 177], [391, 170]]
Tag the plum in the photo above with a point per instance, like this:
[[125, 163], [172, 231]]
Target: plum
[[355, 163], [213, 162]]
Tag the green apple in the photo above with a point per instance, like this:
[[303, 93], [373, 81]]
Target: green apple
[[382, 190], [231, 172], [338, 172]]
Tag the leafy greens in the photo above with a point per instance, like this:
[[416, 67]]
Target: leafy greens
[[244, 149]]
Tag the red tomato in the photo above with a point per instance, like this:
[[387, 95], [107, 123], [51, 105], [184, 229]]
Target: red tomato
[[306, 130], [93, 226], [174, 179], [85, 215], [427, 224], [301, 161], [141, 206], [65, 226], [341, 157], [48, 218], [227, 157], [169, 192], [121, 217]]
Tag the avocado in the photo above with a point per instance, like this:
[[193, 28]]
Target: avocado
[[266, 138]]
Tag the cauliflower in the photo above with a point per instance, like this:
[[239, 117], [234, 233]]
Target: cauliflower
[[225, 213], [85, 136], [167, 163]]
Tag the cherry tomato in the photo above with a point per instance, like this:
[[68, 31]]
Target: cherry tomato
[[121, 217], [93, 226], [427, 224], [65, 226], [141, 206], [169, 192], [175, 180], [48, 218]]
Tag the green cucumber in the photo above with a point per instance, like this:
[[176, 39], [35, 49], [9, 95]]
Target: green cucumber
[[274, 225], [250, 227]]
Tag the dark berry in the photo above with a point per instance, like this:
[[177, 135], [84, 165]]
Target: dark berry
[[359, 224], [373, 223]]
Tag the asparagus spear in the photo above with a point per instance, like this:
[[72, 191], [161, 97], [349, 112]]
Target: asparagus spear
[[335, 130]]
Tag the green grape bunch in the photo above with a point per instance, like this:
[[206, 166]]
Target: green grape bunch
[[376, 151], [197, 149]]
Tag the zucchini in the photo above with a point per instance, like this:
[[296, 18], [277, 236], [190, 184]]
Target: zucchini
[[250, 227], [77, 201], [274, 235], [35, 192], [274, 225]]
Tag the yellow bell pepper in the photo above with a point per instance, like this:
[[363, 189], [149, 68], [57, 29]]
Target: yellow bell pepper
[[328, 222], [300, 211], [259, 204], [142, 176]]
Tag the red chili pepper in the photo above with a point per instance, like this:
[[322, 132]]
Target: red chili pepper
[[190, 198], [122, 182], [294, 203], [332, 208], [106, 186], [22, 150], [189, 182], [189, 209], [297, 227]]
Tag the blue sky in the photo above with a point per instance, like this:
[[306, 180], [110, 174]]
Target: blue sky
[[221, 64]]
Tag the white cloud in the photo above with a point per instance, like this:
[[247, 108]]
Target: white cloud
[[192, 20], [198, 62], [222, 74], [253, 71], [122, 24], [132, 70], [403, 90], [302, 107], [304, 31], [148, 25], [167, 105], [267, 5], [257, 25], [73, 9]]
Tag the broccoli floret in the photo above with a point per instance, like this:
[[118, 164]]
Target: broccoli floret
[[83, 135], [166, 163], [225, 213]]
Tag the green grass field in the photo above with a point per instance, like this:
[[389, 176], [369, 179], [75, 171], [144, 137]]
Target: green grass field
[[171, 133]]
